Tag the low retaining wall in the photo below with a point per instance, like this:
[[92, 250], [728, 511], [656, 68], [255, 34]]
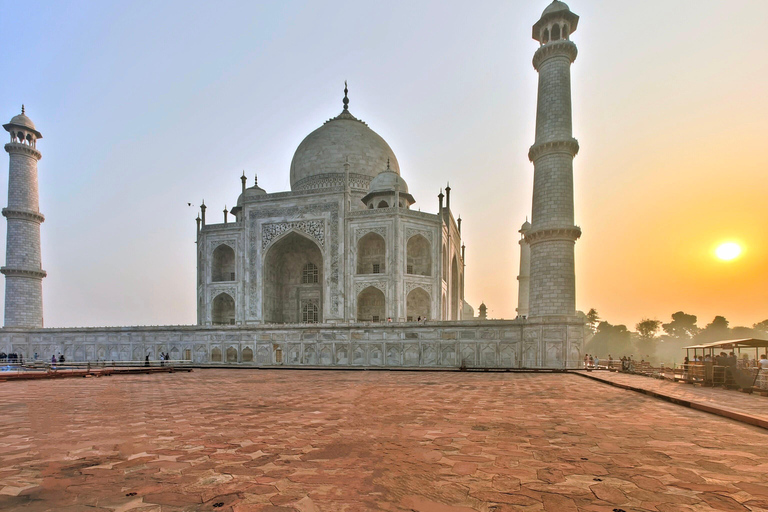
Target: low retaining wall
[[530, 343]]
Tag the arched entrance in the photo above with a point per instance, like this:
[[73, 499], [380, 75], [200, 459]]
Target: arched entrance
[[417, 304], [223, 310], [371, 305], [293, 281]]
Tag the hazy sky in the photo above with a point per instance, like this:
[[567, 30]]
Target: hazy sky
[[146, 106]]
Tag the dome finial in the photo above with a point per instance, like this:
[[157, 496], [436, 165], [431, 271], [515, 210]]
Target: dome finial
[[255, 179], [388, 164], [22, 109], [346, 99]]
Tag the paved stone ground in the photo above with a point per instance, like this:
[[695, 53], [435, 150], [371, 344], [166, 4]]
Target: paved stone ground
[[726, 400], [356, 441]]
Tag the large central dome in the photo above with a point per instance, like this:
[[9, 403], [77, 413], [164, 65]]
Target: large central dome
[[341, 139]]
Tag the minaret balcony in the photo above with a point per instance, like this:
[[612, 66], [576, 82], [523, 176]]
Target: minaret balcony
[[567, 234], [18, 147], [570, 147], [555, 49], [23, 214], [23, 272]]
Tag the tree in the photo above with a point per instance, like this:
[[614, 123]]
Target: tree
[[646, 332], [593, 319], [648, 328], [762, 328], [682, 326], [715, 331], [610, 339]]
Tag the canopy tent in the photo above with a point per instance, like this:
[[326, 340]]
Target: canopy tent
[[732, 344]]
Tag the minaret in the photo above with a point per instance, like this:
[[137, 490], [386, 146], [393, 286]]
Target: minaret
[[553, 232], [524, 278], [22, 270]]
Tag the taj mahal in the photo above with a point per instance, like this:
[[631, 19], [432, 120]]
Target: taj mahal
[[342, 270]]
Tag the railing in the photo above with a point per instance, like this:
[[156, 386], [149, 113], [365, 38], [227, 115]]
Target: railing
[[33, 365]]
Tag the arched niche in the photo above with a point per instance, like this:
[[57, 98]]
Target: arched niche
[[555, 32], [454, 285], [418, 304], [293, 278], [223, 264], [419, 256], [223, 310], [371, 254], [371, 305]]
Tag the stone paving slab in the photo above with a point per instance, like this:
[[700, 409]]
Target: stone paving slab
[[744, 407], [391, 441]]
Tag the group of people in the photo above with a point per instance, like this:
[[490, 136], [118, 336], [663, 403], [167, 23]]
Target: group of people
[[730, 359], [591, 361], [60, 360], [163, 358], [13, 357]]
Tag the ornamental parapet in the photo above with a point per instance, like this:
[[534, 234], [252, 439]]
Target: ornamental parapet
[[332, 180], [570, 147], [23, 214], [21, 272], [18, 147], [569, 234], [555, 49]]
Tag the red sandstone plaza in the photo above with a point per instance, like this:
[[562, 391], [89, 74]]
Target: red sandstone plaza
[[302, 440]]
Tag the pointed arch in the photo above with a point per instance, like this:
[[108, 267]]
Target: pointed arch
[[371, 254], [371, 305], [223, 264], [223, 310], [419, 256], [454, 286], [293, 277], [418, 304]]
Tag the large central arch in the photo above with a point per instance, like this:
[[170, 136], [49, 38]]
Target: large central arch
[[293, 280]]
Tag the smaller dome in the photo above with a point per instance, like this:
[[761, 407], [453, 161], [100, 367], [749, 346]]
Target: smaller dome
[[388, 180], [555, 6], [23, 120], [254, 191], [525, 227]]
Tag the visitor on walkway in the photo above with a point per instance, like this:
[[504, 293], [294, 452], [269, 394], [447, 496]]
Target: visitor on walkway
[[763, 363], [146, 360], [597, 362]]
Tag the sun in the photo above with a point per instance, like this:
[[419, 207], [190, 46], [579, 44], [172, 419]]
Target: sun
[[728, 251]]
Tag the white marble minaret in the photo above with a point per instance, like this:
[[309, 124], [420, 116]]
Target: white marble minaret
[[23, 272], [553, 233]]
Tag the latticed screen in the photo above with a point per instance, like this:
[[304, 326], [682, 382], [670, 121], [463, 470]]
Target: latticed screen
[[309, 274], [377, 268], [309, 313]]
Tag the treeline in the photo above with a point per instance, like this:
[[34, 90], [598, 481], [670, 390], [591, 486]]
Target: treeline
[[660, 342]]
